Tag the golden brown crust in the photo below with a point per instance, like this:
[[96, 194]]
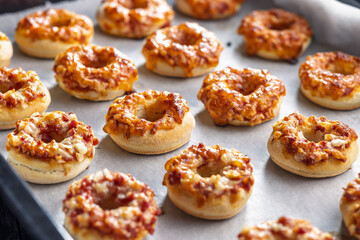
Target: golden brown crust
[[21, 94], [209, 9], [275, 31], [134, 19], [284, 228], [110, 206], [350, 207], [241, 95], [204, 178], [331, 74], [53, 137], [151, 122], [197, 47], [56, 25], [312, 147], [90, 68]]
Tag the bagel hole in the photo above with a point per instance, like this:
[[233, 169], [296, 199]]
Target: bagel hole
[[93, 61], [184, 38], [136, 4], [340, 67], [109, 203], [8, 85], [247, 88], [48, 135], [152, 111], [280, 26], [211, 168], [316, 137], [60, 22]]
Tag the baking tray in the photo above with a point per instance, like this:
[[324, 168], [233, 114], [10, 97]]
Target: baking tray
[[275, 193]]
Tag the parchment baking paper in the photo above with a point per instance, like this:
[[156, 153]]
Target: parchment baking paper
[[275, 193]]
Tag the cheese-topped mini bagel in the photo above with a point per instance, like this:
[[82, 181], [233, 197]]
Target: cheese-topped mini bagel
[[50, 147], [313, 147]]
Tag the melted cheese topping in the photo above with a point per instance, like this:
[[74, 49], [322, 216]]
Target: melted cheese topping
[[122, 114], [284, 229], [187, 45], [19, 88], [352, 195], [96, 68], [135, 18], [57, 25], [208, 9], [243, 95], [134, 209], [331, 74], [54, 136], [331, 138], [235, 172], [275, 30]]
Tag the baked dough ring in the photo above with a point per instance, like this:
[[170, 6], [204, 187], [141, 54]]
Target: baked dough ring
[[6, 50], [45, 34], [50, 147], [313, 147], [275, 34], [134, 18], [241, 96], [284, 228], [332, 80], [95, 73], [209, 9], [209, 182], [150, 122], [186, 50], [350, 207], [109, 205], [21, 94]]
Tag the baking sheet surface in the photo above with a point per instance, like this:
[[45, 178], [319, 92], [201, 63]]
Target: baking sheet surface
[[275, 193]]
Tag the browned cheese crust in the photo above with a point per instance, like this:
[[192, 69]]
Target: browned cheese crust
[[56, 25], [211, 9], [150, 122], [246, 95], [311, 146], [284, 228], [277, 31], [109, 205], [54, 138], [21, 94], [331, 74], [134, 18], [350, 207], [209, 182], [91, 68], [188, 46]]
